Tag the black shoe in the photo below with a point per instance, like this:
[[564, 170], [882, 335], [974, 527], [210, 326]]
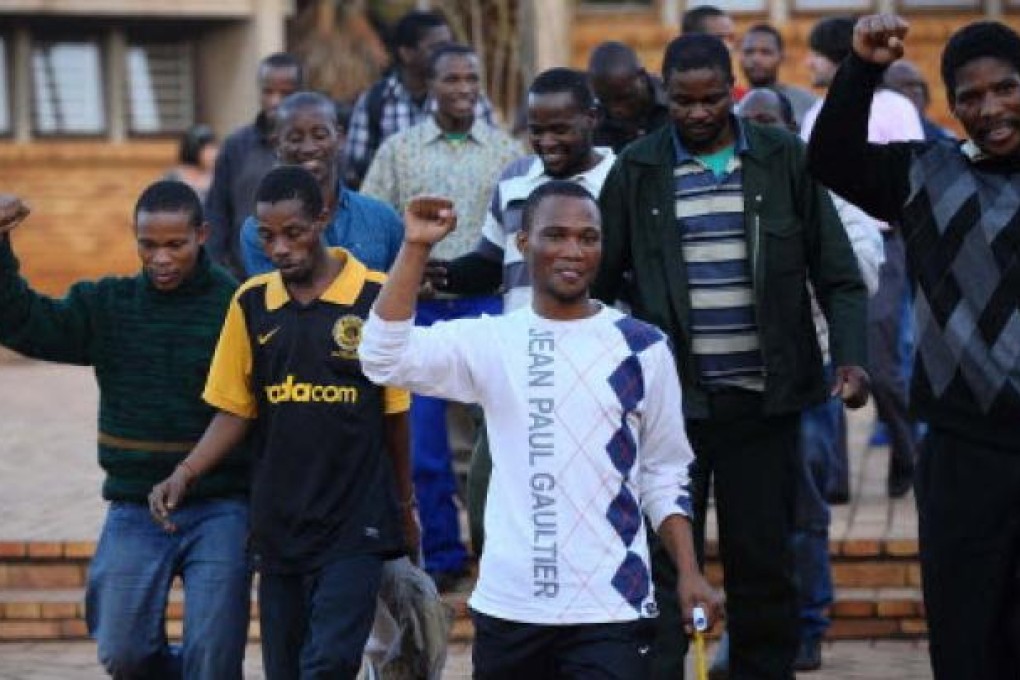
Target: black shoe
[[809, 656], [840, 497], [899, 483]]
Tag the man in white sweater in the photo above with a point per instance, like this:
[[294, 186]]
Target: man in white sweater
[[579, 402]]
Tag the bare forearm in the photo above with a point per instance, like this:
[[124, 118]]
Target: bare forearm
[[396, 301], [225, 432], [398, 446], [675, 533]]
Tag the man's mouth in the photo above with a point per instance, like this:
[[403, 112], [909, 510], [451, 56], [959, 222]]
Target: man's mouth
[[314, 167], [553, 157], [164, 277], [570, 275], [999, 132]]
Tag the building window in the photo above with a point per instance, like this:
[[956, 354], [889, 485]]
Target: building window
[[835, 6], [941, 4], [5, 90], [67, 88], [737, 6], [160, 87]]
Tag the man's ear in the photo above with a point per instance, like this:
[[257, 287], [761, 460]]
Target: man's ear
[[202, 233], [322, 221], [522, 242]]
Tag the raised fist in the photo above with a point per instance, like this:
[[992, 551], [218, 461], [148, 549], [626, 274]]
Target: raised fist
[[12, 212], [428, 219], [879, 38]]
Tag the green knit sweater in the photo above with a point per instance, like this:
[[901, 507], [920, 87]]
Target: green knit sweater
[[150, 351]]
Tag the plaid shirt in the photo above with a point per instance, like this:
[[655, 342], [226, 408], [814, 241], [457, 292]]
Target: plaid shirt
[[399, 112]]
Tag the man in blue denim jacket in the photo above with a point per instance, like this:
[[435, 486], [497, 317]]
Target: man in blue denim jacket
[[308, 136]]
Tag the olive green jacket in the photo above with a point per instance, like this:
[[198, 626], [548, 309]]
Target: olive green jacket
[[794, 236]]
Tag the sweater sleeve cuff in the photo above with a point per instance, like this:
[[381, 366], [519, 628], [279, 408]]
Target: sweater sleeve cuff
[[661, 509]]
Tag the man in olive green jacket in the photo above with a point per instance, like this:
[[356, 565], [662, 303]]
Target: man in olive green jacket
[[715, 230]]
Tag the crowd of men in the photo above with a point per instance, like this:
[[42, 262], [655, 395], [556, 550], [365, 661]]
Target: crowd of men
[[675, 294]]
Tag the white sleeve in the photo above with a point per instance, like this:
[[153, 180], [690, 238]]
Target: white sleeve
[[493, 237], [434, 361], [665, 454], [865, 236]]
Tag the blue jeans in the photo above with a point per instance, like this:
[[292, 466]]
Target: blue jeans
[[129, 581], [315, 624], [819, 432], [434, 482]]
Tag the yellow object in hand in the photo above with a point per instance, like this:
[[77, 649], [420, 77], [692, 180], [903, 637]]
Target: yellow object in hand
[[700, 622]]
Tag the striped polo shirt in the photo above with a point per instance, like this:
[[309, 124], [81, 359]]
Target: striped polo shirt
[[710, 217]]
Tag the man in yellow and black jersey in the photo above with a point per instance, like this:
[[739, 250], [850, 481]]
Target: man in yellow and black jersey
[[328, 506]]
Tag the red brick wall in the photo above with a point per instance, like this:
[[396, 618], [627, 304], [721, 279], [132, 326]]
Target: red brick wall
[[81, 194], [648, 37]]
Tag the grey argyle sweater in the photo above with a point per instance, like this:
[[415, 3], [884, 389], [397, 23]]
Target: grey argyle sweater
[[960, 216]]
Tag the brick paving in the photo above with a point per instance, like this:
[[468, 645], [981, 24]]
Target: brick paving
[[843, 661], [51, 493], [48, 461]]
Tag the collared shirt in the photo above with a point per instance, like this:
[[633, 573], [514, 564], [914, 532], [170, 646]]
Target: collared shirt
[[423, 160], [399, 111], [710, 217], [503, 220], [368, 228]]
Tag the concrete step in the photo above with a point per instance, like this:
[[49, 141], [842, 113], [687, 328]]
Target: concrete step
[[42, 591], [39, 614]]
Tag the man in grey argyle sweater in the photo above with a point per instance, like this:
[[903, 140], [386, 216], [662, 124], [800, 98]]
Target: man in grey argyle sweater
[[958, 205]]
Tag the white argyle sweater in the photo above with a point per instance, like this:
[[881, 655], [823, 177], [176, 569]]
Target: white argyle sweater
[[587, 435]]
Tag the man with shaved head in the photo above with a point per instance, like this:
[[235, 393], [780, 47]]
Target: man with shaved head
[[766, 106], [308, 135], [631, 102]]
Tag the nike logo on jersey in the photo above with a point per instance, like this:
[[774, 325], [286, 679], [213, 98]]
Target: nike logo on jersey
[[263, 338]]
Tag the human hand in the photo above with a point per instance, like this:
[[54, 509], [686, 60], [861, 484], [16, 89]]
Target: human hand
[[428, 219], [412, 532], [436, 274], [878, 38], [694, 591], [12, 212], [167, 495], [852, 385]]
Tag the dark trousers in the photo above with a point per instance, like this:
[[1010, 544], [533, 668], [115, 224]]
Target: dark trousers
[[509, 650], [315, 625], [968, 497], [886, 362], [752, 461], [839, 475]]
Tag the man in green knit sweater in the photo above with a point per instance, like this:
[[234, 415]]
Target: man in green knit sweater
[[150, 338]]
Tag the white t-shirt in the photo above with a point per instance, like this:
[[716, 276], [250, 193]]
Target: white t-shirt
[[587, 434]]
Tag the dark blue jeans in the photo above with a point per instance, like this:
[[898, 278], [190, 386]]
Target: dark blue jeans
[[434, 482], [819, 433], [315, 624], [130, 577]]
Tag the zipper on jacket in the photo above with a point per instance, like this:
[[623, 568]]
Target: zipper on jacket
[[759, 283]]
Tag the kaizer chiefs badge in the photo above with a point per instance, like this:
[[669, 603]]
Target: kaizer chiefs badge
[[347, 334]]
